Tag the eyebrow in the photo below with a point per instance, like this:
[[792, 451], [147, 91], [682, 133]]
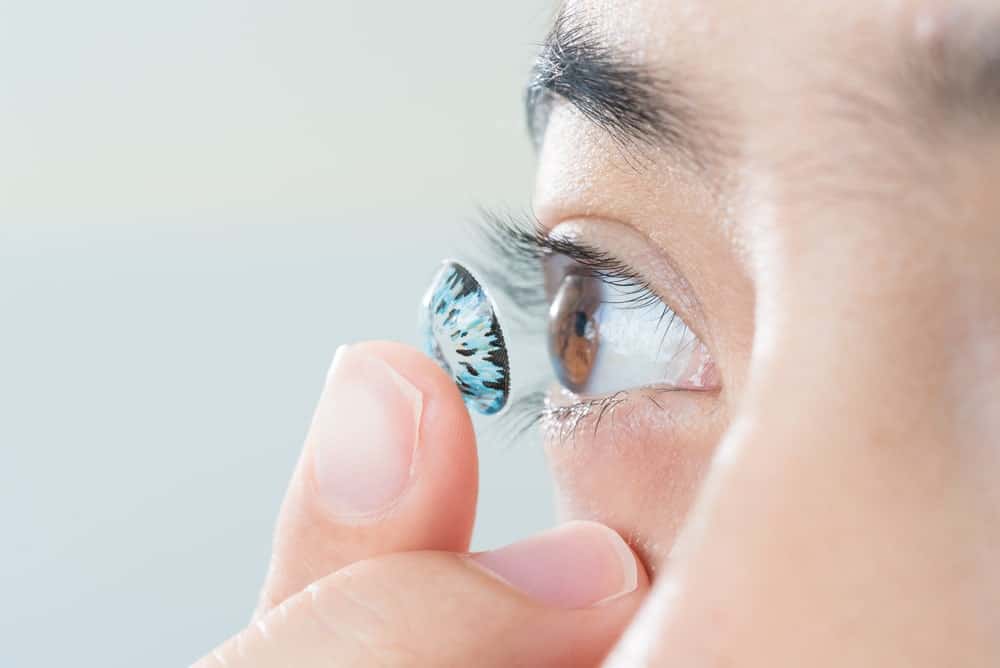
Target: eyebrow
[[626, 100], [957, 68]]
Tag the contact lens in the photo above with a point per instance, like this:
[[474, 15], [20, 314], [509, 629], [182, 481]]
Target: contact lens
[[461, 332]]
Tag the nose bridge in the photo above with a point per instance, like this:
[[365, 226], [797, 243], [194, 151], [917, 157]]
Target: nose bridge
[[856, 282], [879, 243], [881, 379]]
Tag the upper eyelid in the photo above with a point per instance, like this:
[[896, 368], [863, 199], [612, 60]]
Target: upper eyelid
[[523, 241], [660, 270], [533, 243], [622, 275]]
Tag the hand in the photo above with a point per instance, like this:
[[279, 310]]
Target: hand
[[370, 565]]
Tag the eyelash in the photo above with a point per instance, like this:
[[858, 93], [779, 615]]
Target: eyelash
[[516, 248]]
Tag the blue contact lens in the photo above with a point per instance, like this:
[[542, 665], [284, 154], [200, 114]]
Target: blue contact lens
[[461, 332]]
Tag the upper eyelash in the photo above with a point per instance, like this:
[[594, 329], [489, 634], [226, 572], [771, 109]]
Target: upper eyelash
[[521, 244]]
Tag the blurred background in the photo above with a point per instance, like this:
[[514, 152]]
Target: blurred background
[[199, 202]]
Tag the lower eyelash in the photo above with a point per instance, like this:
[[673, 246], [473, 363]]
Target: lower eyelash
[[563, 422]]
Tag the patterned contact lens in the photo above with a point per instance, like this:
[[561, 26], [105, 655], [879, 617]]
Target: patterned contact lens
[[461, 332]]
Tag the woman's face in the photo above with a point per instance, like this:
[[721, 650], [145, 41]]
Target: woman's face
[[809, 190]]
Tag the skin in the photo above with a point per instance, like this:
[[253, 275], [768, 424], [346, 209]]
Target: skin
[[833, 501]]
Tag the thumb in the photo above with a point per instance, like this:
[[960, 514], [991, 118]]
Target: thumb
[[557, 599]]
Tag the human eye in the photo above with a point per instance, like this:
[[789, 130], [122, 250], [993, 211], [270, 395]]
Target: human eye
[[608, 331], [611, 334]]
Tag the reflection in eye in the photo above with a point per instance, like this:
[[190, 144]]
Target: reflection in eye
[[607, 334]]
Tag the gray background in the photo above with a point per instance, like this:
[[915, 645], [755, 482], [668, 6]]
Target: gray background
[[299, 168]]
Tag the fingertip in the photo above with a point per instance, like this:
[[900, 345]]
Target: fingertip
[[420, 370]]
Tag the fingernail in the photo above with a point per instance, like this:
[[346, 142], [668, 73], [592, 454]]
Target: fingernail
[[364, 434], [575, 565]]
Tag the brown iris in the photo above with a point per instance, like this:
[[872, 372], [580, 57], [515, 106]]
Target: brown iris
[[574, 333]]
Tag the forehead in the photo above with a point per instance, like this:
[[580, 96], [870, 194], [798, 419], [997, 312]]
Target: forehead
[[845, 109], [790, 22], [720, 48], [809, 87]]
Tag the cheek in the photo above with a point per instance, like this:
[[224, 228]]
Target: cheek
[[638, 468]]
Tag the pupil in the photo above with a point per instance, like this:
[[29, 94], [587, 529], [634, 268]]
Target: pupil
[[580, 326]]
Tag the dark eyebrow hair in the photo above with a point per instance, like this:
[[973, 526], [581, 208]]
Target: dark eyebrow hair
[[957, 68], [624, 99]]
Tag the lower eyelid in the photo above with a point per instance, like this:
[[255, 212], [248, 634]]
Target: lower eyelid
[[565, 415]]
